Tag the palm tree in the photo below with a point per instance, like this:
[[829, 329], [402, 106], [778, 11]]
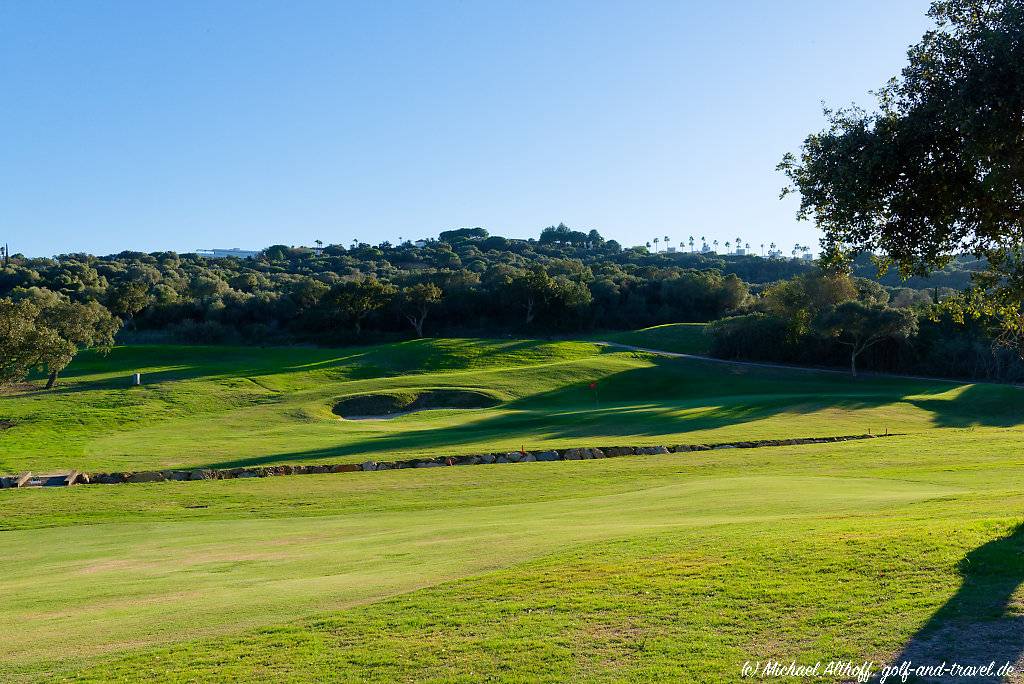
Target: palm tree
[[319, 243], [746, 246], [656, 241], [667, 239], [772, 246], [727, 246], [762, 249], [715, 243], [648, 245], [691, 244], [737, 244]]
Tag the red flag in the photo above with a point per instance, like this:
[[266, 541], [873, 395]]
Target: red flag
[[593, 385]]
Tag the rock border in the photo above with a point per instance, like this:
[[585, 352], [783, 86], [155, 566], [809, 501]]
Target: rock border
[[573, 454]]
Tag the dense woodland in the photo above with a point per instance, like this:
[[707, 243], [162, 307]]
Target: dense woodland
[[471, 283]]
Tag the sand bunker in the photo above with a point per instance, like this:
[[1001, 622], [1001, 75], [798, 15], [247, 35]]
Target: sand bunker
[[385, 406]]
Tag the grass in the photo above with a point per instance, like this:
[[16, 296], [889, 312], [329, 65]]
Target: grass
[[676, 567], [682, 338], [226, 407]]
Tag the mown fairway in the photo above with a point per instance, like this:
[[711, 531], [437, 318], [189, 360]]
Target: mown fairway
[[680, 566]]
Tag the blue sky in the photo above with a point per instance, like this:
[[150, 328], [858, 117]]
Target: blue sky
[[190, 125]]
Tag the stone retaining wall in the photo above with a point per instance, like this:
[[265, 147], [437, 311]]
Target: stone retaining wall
[[574, 454]]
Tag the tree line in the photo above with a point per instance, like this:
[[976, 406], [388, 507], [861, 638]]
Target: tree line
[[841, 320], [465, 282]]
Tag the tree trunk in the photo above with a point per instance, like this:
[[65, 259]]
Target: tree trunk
[[529, 311], [853, 363], [417, 322], [52, 380]]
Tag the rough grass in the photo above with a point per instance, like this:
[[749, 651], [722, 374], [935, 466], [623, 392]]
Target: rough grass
[[677, 567]]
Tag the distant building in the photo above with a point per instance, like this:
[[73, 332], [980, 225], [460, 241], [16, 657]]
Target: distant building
[[224, 253], [671, 250], [420, 243], [807, 257], [740, 251]]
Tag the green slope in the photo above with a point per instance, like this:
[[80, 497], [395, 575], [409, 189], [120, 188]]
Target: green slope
[[203, 406]]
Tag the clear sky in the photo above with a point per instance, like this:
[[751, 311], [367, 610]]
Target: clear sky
[[185, 125]]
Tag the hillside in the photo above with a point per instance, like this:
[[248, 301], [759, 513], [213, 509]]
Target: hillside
[[235, 406]]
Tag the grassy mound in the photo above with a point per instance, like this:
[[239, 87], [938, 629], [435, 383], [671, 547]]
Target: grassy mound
[[370, 405], [243, 406], [682, 338]]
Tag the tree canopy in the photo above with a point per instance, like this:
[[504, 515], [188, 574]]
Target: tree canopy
[[938, 168], [45, 331]]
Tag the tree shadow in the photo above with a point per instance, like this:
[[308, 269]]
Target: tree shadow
[[173, 362], [977, 405], [980, 623], [667, 398]]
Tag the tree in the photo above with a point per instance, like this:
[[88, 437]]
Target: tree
[[461, 234], [416, 301], [800, 300], [48, 333], [860, 326], [938, 169], [127, 298], [354, 300], [562, 234], [531, 289], [20, 339]]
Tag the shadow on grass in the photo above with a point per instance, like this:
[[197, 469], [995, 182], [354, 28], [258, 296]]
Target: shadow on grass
[[216, 362], [977, 626], [667, 397], [977, 405]]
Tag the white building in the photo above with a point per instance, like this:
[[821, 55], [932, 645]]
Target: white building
[[220, 253]]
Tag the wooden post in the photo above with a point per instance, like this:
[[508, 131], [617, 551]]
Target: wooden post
[[136, 379]]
